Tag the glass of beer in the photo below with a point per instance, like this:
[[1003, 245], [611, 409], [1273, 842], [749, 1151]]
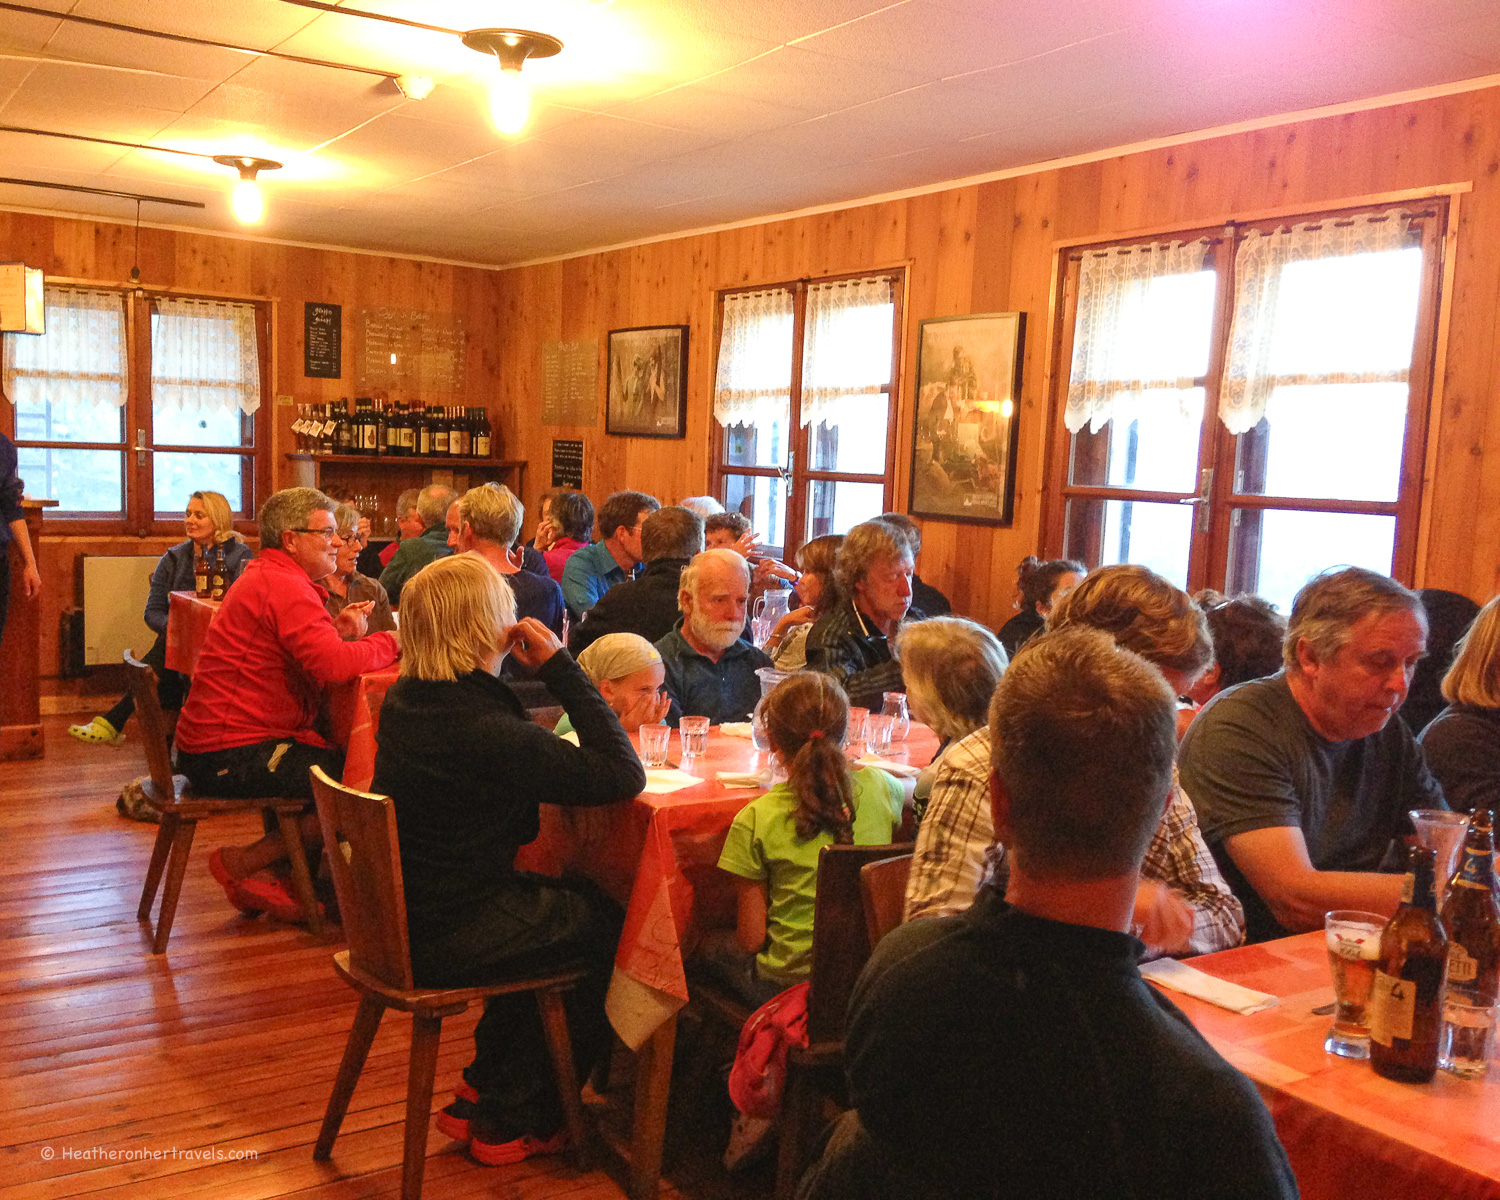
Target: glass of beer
[[1353, 948]]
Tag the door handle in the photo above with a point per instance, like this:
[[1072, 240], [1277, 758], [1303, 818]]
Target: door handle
[[140, 448], [1201, 500]]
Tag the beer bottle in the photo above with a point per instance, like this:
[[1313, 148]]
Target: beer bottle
[[1472, 916], [1405, 1013], [217, 580], [200, 575]]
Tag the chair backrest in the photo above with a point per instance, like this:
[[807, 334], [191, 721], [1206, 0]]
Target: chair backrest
[[882, 886], [359, 842], [153, 725], [840, 944]]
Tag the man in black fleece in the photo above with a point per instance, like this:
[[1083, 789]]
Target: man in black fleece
[[467, 772], [1014, 1050], [647, 604]]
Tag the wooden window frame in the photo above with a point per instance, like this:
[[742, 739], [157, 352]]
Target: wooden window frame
[[1211, 541], [799, 479], [139, 517]]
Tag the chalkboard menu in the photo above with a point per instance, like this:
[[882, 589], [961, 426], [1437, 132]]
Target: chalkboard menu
[[322, 340], [567, 464], [570, 382], [411, 350]]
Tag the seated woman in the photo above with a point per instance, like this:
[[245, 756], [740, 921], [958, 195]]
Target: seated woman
[[1462, 743], [772, 847], [347, 586], [951, 667], [208, 522], [628, 671], [1247, 634], [467, 772], [787, 644], [567, 524], [1040, 585]]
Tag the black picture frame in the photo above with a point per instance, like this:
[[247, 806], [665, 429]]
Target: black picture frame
[[646, 384], [965, 417]]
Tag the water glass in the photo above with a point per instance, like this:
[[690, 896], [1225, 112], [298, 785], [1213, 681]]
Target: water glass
[[1467, 1042], [1353, 949], [858, 721], [878, 733], [694, 734], [654, 741]]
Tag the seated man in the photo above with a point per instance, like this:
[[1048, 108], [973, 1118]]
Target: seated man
[[710, 666], [1302, 780], [593, 570], [415, 553], [249, 725], [486, 520], [647, 604], [408, 525], [1014, 1050], [925, 598], [852, 642]]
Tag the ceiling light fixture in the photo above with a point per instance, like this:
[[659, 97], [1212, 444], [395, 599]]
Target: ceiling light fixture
[[510, 101], [414, 87], [246, 201]]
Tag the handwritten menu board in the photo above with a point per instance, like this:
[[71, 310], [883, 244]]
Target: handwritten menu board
[[410, 350], [567, 464], [322, 340], [570, 382]]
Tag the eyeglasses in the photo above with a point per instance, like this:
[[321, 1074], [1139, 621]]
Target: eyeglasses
[[327, 535]]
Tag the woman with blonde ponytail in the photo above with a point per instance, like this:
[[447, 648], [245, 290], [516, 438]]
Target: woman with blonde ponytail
[[772, 847]]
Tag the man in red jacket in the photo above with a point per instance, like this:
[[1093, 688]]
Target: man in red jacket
[[248, 727]]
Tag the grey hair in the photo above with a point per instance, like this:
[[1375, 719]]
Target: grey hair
[[951, 666], [1331, 604], [704, 506], [689, 579], [432, 503], [493, 513], [289, 509], [864, 545], [346, 519], [406, 502], [907, 527]]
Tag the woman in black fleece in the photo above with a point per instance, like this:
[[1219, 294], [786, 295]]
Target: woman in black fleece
[[467, 772]]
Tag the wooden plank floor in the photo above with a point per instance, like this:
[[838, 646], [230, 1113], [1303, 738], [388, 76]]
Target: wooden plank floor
[[203, 1071]]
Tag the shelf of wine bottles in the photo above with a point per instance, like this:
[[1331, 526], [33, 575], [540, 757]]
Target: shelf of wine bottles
[[374, 430]]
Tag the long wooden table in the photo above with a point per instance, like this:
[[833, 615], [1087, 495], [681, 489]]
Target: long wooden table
[[1350, 1134]]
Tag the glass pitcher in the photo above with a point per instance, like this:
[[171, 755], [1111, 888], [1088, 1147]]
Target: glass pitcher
[[772, 605], [895, 708]]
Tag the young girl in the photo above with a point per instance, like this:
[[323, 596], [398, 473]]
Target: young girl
[[772, 847]]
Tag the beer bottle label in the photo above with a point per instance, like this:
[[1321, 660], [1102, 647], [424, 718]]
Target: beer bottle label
[[1392, 1009], [1473, 873], [1408, 888], [1462, 967]]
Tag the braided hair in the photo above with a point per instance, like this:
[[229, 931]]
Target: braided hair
[[806, 717]]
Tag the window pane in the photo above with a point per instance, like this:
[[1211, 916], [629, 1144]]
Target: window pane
[[762, 499], [757, 444], [81, 481], [196, 426], [177, 476], [1273, 553], [837, 506], [1155, 535], [1153, 445], [205, 372], [68, 385], [1288, 453], [855, 441], [42, 420]]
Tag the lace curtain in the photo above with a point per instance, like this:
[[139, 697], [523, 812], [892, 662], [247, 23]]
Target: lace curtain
[[79, 360], [754, 383], [1265, 354], [1128, 338], [846, 350], [205, 354]]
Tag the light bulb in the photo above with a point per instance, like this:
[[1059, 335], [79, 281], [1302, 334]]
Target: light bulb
[[510, 101], [247, 203]]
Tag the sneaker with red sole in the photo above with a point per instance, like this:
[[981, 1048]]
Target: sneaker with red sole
[[259, 895], [492, 1149], [228, 882], [454, 1121], [464, 1092]]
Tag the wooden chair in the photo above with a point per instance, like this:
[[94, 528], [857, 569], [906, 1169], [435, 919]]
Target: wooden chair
[[359, 832], [841, 947], [882, 887], [180, 809]]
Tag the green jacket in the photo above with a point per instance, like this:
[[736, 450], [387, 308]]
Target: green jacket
[[411, 556]]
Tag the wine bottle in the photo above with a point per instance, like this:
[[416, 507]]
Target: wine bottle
[[343, 429], [440, 433], [382, 428], [1471, 915], [482, 433], [424, 431], [1405, 1012]]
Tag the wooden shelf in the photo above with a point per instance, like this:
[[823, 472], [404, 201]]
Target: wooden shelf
[[408, 460]]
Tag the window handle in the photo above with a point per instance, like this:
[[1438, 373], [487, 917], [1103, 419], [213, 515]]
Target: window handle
[[140, 448], [1201, 500]]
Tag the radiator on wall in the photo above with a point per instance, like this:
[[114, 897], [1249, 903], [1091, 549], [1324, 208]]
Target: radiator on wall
[[114, 606]]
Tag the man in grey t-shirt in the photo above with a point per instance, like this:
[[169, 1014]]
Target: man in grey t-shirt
[[1302, 780]]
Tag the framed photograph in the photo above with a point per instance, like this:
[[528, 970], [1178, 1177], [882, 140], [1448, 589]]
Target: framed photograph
[[963, 463], [647, 393]]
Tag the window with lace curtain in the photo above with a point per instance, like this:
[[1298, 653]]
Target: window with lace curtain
[[1246, 406], [803, 406], [128, 404]]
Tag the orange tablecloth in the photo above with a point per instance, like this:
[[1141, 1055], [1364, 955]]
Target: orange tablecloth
[[1349, 1133]]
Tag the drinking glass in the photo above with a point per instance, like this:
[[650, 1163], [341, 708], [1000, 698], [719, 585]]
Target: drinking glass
[[878, 733], [1353, 949], [1467, 1042], [1442, 831], [858, 721], [694, 734], [654, 740]]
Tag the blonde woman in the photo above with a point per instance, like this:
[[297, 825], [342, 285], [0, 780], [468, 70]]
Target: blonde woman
[[467, 772], [207, 522], [629, 673], [1462, 743], [347, 586]]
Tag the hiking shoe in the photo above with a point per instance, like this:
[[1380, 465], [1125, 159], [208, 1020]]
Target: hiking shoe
[[464, 1092], [454, 1120], [495, 1147], [98, 732], [260, 895], [230, 884]]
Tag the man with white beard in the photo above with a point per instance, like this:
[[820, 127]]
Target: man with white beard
[[710, 666]]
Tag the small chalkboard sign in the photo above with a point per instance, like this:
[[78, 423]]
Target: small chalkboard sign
[[322, 340], [567, 464]]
